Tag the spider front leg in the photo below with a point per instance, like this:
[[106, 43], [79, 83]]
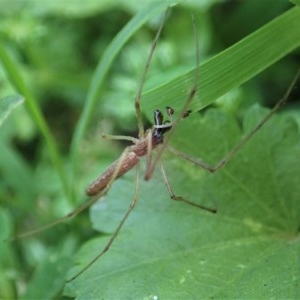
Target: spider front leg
[[184, 112], [137, 103], [119, 137]]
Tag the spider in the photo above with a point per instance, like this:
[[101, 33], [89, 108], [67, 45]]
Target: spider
[[154, 139]]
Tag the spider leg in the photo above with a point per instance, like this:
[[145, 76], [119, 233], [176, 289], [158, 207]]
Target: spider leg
[[116, 232], [179, 198]]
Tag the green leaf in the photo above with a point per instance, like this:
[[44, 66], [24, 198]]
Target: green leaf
[[296, 2], [52, 271], [249, 249], [8, 104], [230, 68]]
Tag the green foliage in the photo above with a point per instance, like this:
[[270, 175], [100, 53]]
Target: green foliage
[[8, 104], [233, 66], [50, 149], [176, 251]]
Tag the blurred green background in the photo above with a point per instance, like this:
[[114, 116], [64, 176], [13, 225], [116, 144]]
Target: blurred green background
[[55, 47]]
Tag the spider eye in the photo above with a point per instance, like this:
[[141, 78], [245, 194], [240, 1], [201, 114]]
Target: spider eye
[[186, 113], [170, 111]]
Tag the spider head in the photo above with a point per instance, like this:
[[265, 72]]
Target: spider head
[[161, 126]]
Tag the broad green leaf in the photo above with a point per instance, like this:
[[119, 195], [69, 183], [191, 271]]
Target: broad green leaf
[[170, 250], [8, 104]]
